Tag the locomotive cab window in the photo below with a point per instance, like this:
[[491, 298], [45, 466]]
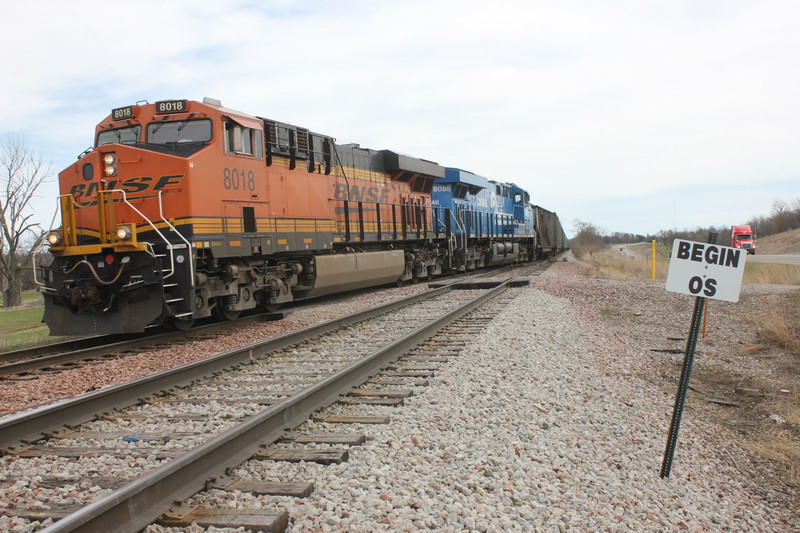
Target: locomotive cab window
[[126, 135], [179, 131], [242, 140]]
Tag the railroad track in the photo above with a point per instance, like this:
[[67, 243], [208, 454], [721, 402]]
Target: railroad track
[[31, 362], [254, 393], [27, 363]]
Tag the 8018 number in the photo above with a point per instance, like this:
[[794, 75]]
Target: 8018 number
[[239, 180]]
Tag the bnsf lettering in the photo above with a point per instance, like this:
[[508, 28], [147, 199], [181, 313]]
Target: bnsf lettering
[[130, 186], [360, 193]]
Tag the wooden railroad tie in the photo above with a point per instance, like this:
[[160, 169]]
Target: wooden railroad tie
[[53, 482], [266, 520], [324, 457], [405, 373], [353, 419], [55, 512], [350, 439], [224, 401], [112, 417], [402, 381], [78, 452], [297, 489], [101, 435], [389, 402]]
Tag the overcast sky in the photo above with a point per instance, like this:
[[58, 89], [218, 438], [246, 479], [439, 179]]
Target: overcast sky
[[634, 115]]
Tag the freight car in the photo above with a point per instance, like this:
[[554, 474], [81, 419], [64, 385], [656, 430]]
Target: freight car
[[185, 209], [550, 237]]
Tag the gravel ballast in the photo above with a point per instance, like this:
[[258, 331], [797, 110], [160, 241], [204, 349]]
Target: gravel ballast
[[554, 419], [547, 423]]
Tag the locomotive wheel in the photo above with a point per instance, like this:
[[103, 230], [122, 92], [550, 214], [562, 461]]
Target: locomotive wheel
[[223, 314], [182, 324], [264, 304], [269, 308]]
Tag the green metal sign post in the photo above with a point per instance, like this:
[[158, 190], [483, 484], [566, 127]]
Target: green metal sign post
[[683, 386], [688, 361]]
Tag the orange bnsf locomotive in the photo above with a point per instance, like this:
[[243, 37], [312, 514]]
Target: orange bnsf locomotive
[[186, 209]]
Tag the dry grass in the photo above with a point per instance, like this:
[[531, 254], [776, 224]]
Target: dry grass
[[779, 330], [771, 273], [777, 439], [778, 340], [611, 264], [787, 242], [780, 441], [780, 327]]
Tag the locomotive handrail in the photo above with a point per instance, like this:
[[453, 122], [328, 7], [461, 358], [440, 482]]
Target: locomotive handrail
[[462, 228], [169, 245], [440, 222], [35, 255], [184, 239]]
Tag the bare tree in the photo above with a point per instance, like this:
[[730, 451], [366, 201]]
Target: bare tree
[[23, 172]]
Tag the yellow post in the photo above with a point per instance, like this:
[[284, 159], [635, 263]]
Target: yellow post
[[654, 259]]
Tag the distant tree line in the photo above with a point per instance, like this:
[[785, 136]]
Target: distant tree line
[[783, 216]]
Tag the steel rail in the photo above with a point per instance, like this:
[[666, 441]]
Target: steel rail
[[137, 340], [63, 346], [139, 503], [38, 357], [37, 423]]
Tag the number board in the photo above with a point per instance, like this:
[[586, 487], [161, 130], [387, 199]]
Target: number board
[[171, 106], [122, 112], [707, 270]]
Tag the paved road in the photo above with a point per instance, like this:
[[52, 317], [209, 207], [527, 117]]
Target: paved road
[[784, 259]]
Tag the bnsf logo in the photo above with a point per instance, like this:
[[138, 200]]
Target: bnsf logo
[[131, 185], [359, 193]]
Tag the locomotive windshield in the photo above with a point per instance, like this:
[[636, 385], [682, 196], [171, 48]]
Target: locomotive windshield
[[179, 131], [126, 135]]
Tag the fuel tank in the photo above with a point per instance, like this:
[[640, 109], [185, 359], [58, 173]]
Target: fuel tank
[[346, 272]]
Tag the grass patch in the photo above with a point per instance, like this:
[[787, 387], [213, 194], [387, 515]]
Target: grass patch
[[780, 442], [778, 340], [771, 273], [780, 328], [610, 263], [22, 327]]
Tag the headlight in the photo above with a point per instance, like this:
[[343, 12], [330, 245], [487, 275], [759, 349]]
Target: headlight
[[110, 164], [54, 238], [124, 233]]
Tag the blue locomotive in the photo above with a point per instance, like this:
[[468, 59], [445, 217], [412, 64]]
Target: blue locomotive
[[492, 223]]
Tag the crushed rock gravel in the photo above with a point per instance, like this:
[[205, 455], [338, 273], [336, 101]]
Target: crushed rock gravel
[[554, 420]]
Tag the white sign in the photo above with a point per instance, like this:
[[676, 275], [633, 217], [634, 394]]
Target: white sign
[[707, 270]]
